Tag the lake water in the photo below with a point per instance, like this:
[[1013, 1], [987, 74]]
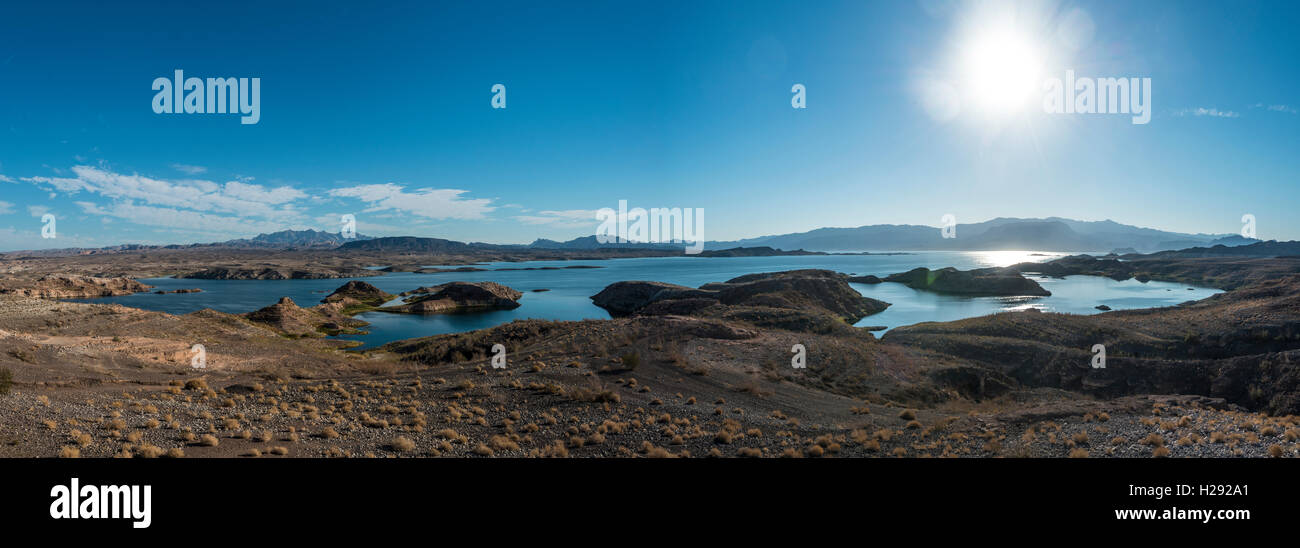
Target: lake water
[[570, 290]]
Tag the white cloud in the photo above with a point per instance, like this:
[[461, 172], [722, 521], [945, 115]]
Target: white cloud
[[1214, 112], [258, 193], [1282, 108], [236, 197], [6, 208], [37, 211], [569, 218], [192, 170], [425, 202], [6, 179]]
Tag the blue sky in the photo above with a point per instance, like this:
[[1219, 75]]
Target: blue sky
[[385, 112]]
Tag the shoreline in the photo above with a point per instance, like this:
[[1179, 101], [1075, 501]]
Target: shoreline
[[866, 321], [928, 389]]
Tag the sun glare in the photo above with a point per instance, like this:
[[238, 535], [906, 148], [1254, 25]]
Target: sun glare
[[1007, 258], [1002, 70]]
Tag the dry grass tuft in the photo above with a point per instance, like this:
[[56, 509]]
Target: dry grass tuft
[[402, 444]]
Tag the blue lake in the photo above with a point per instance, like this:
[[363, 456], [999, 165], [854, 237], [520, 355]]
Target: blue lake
[[569, 290]]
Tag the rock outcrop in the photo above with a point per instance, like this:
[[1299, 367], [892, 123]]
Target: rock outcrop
[[1002, 282], [800, 300], [1243, 346], [360, 292], [286, 316], [292, 320], [625, 298], [458, 297], [798, 289], [223, 273], [56, 286]]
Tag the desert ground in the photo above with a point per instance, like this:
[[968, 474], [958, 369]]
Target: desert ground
[[701, 372]]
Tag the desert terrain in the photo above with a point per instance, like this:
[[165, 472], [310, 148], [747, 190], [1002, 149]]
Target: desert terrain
[[677, 372]]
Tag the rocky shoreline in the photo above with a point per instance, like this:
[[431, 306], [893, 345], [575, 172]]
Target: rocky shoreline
[[677, 372], [77, 287]]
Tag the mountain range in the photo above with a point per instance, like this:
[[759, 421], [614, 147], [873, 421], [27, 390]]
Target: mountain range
[[1003, 233], [294, 238], [1050, 234]]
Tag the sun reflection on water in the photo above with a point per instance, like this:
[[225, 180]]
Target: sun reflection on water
[[1010, 257]]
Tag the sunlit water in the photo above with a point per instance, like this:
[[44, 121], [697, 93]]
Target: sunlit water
[[569, 290]]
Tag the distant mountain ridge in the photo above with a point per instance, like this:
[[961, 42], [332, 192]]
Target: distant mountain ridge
[[1270, 248], [1051, 234], [295, 238], [590, 242], [419, 245], [1003, 233]]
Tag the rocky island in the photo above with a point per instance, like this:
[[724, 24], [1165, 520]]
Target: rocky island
[[457, 297], [801, 297], [1003, 282], [222, 273]]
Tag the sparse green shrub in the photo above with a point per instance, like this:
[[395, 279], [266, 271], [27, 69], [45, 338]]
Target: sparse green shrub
[[6, 381], [631, 360]]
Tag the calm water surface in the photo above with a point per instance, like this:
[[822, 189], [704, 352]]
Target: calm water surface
[[569, 290]]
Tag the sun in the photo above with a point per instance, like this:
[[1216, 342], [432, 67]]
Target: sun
[[1002, 70]]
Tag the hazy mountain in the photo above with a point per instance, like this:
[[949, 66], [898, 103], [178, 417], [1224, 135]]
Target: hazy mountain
[[416, 244], [1051, 234], [1270, 248], [590, 242], [294, 238]]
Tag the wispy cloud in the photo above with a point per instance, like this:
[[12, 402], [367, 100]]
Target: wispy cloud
[[234, 197], [186, 168], [426, 202], [260, 194], [1288, 109], [569, 218], [6, 179], [1202, 111], [6, 208], [37, 211]]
